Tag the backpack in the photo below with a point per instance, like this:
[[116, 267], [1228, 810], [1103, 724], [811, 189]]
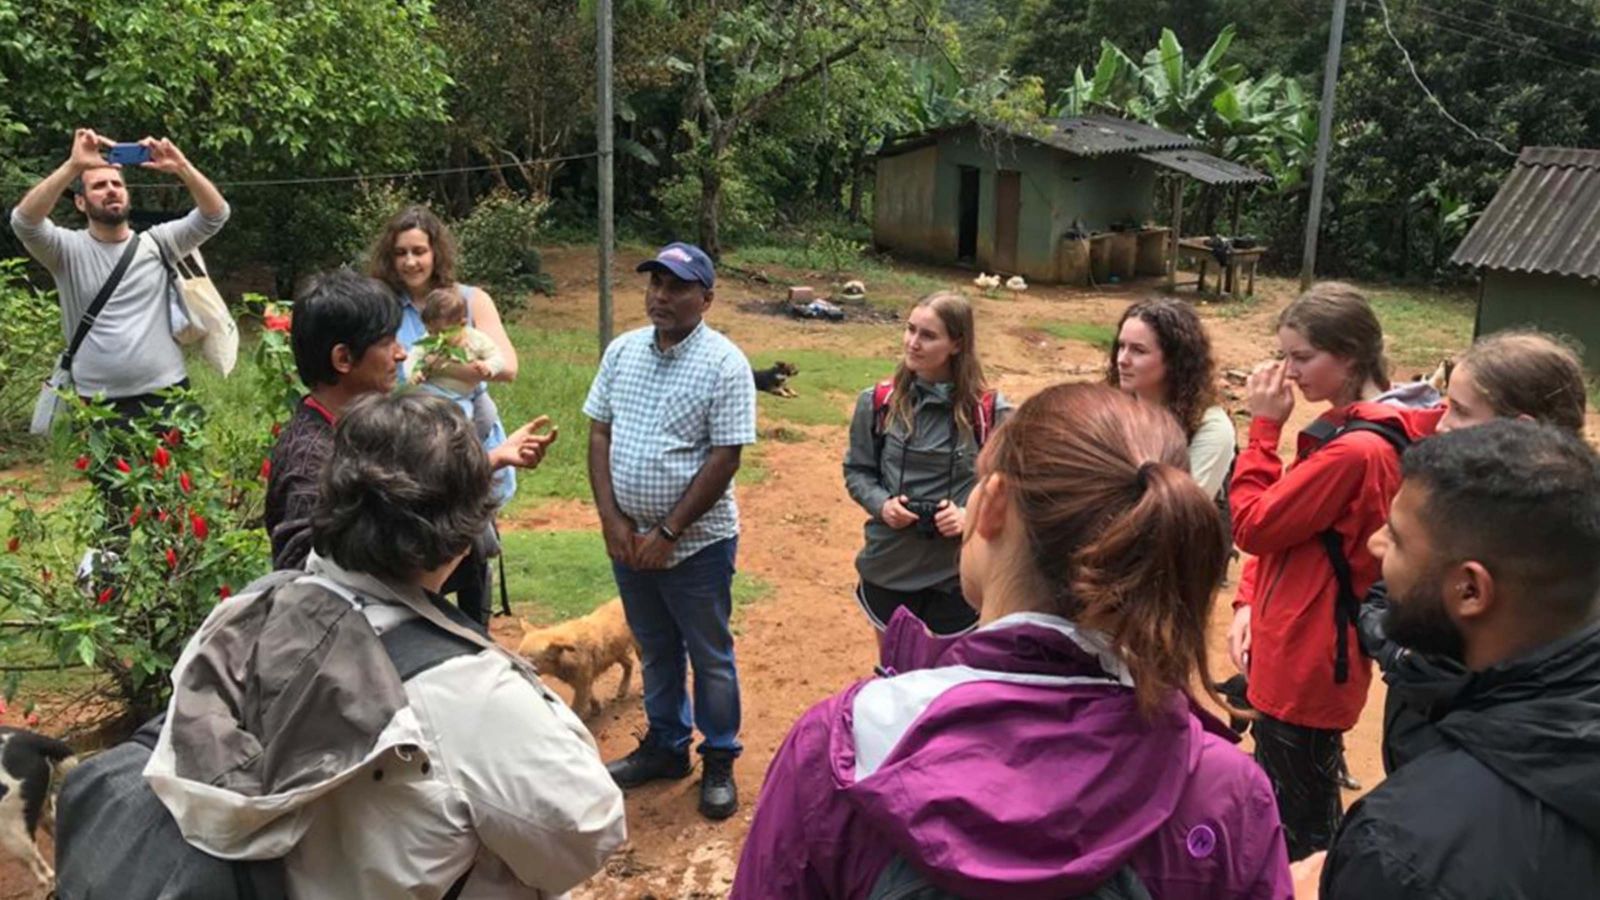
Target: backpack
[[1347, 606], [901, 881], [114, 836], [982, 419]]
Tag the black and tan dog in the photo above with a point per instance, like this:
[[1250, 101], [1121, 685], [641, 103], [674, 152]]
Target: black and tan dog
[[774, 379], [29, 764]]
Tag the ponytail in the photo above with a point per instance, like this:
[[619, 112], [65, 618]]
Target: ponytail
[[1131, 545]]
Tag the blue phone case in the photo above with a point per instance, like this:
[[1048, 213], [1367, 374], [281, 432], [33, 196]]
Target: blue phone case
[[128, 154]]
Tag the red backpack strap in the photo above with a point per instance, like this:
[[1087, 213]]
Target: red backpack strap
[[983, 422], [880, 405]]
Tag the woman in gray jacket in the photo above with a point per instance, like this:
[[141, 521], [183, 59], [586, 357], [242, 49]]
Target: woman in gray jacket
[[914, 440]]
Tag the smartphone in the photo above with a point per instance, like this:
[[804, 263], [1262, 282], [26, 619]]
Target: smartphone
[[128, 154]]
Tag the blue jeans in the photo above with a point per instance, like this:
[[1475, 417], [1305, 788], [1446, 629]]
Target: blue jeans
[[678, 616]]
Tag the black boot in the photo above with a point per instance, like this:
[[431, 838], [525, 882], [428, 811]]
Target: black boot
[[649, 763], [719, 796]]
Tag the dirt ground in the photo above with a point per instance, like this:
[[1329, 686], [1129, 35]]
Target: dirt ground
[[808, 639]]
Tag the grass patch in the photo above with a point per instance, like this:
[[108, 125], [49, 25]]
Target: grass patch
[[1094, 334], [557, 575], [555, 368], [1423, 326], [827, 384]]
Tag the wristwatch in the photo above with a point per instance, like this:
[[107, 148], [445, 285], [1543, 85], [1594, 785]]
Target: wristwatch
[[668, 533]]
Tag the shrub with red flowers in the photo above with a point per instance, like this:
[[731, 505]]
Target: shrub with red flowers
[[183, 532]]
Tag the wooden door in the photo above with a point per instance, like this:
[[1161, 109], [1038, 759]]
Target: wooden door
[[1007, 211]]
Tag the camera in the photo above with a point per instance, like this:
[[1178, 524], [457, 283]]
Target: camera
[[925, 510]]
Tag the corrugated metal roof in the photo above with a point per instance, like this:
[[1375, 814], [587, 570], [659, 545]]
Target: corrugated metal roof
[[1107, 135], [1089, 136], [1544, 219], [1203, 167]]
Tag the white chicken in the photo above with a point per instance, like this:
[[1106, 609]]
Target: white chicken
[[986, 281], [1015, 283]]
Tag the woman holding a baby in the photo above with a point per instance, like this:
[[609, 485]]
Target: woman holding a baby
[[455, 345]]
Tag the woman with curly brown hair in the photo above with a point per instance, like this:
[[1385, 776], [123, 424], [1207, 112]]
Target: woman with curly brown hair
[[1162, 355]]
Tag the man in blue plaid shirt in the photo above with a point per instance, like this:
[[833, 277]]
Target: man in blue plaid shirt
[[671, 408]]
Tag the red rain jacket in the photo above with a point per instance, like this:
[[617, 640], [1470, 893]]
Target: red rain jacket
[[1345, 484]]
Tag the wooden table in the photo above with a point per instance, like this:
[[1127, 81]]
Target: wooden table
[[1227, 276]]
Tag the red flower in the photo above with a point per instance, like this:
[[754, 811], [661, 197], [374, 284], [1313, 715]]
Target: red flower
[[82, 464], [172, 558], [162, 458], [32, 720], [185, 482], [138, 513], [277, 428], [275, 322], [198, 524], [13, 544], [224, 592], [161, 516], [122, 466], [266, 469], [105, 597], [173, 437]]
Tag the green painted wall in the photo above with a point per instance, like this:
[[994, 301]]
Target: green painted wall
[[903, 202], [1058, 189], [1555, 303]]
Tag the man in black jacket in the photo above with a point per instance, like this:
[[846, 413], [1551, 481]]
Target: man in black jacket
[[1492, 557]]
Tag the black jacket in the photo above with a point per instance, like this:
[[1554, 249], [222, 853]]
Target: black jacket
[[1505, 801], [1415, 683]]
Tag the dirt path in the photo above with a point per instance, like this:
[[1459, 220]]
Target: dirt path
[[808, 640]]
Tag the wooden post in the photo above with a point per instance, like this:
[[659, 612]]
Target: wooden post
[[1177, 233], [1237, 190], [1319, 172], [606, 158]]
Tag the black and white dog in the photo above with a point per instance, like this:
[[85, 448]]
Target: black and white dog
[[29, 763]]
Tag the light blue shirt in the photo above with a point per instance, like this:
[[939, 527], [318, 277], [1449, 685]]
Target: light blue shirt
[[667, 409]]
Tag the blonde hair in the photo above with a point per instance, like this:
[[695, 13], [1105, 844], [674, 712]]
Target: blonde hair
[[1529, 373], [955, 313]]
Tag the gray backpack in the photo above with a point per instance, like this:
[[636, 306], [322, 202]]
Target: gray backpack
[[901, 881], [115, 838]]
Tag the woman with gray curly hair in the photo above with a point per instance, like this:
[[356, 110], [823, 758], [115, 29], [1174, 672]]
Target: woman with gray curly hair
[[307, 725]]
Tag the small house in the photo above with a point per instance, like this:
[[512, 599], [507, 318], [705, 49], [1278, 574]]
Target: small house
[[1075, 197], [1537, 248]]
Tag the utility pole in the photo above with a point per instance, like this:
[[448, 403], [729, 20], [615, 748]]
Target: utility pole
[[603, 136], [1319, 173]]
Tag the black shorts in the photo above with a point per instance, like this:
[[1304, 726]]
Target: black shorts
[[941, 607]]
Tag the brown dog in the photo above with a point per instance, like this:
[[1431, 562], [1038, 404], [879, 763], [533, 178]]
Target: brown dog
[[579, 650]]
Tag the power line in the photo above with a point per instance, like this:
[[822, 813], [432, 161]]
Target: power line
[[1535, 17], [1405, 54], [1450, 29], [335, 179], [1469, 22]]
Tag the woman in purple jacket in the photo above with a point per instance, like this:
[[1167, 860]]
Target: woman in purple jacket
[[1058, 747]]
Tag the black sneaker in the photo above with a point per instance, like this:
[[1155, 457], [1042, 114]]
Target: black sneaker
[[649, 763], [719, 796]]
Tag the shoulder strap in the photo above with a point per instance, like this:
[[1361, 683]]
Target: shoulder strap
[[416, 645], [983, 422], [1347, 605], [881, 392], [99, 303]]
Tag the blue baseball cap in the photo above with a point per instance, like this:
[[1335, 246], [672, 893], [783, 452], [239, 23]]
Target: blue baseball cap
[[685, 261]]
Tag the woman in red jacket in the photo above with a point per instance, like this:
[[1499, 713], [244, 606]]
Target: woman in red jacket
[[1291, 634]]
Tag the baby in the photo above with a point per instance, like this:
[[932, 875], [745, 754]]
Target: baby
[[458, 358]]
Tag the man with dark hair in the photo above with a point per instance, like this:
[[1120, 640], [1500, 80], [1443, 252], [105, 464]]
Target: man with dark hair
[[1492, 557], [343, 333], [129, 355], [461, 776], [670, 411]]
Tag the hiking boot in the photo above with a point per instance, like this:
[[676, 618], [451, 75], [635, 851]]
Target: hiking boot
[[649, 763], [719, 796]]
